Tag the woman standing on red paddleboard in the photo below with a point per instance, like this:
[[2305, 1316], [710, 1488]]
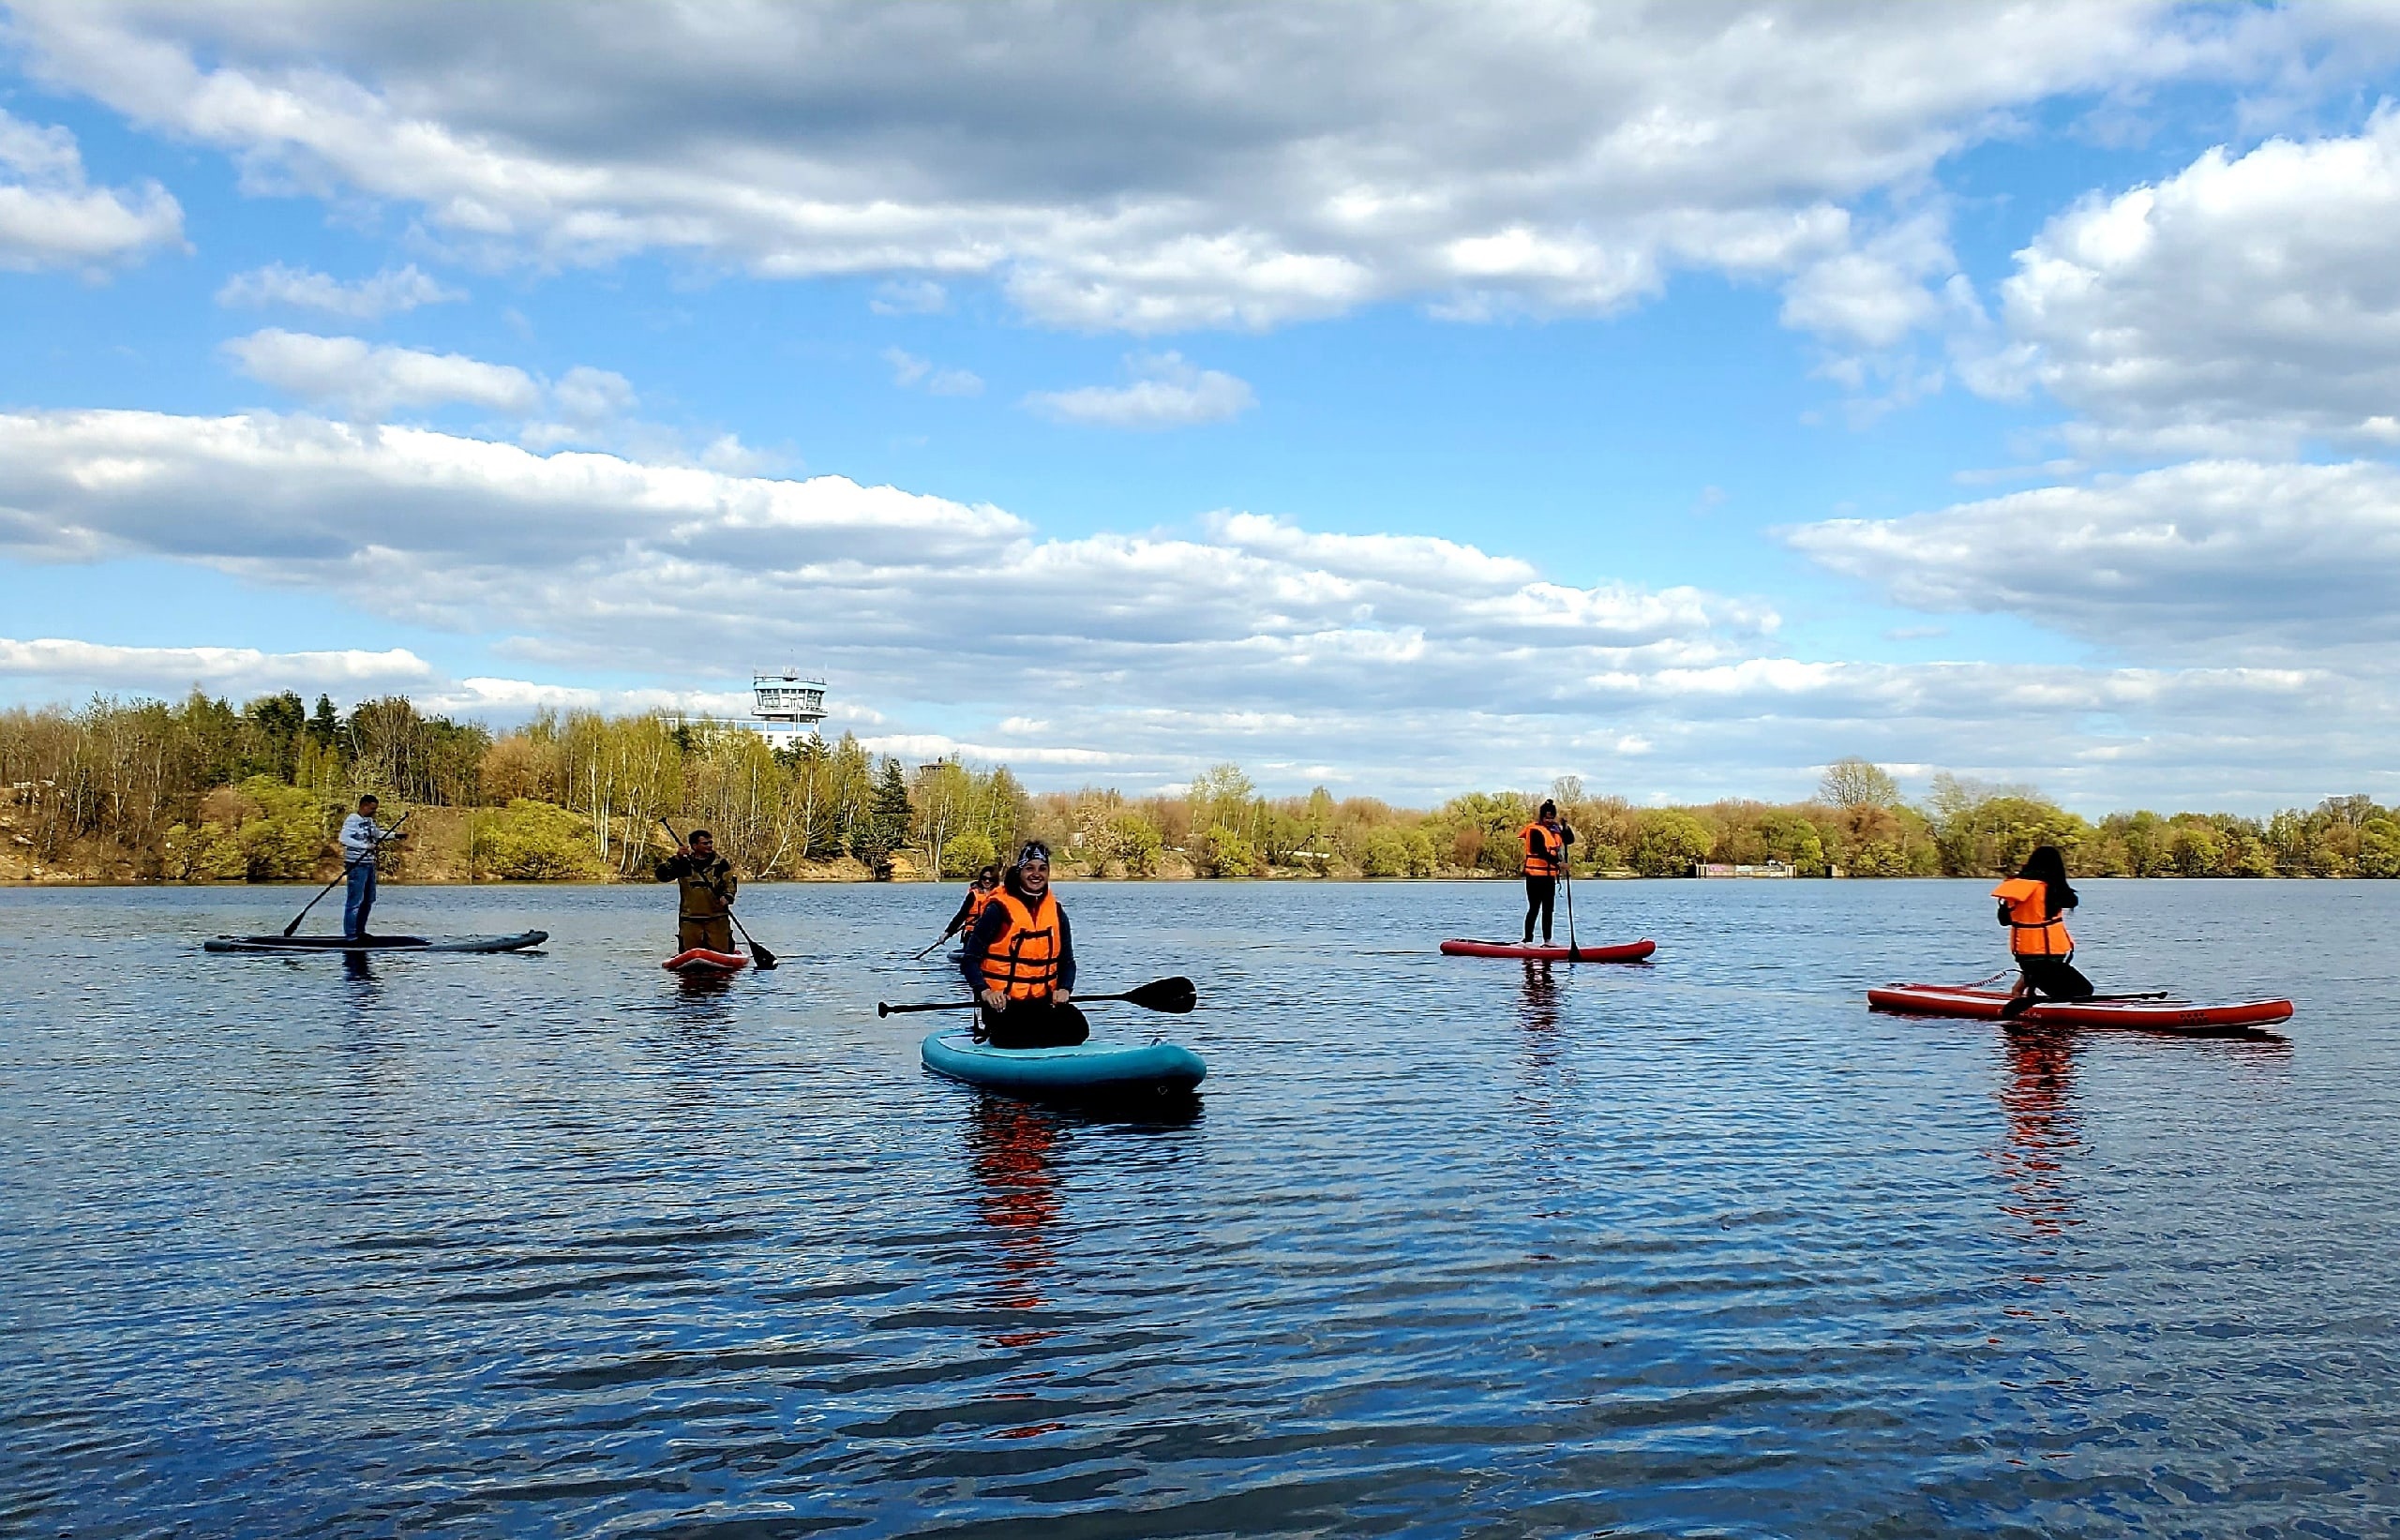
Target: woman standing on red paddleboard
[[2033, 905], [1546, 841]]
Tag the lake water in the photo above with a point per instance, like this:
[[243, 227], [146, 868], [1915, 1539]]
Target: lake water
[[550, 1244]]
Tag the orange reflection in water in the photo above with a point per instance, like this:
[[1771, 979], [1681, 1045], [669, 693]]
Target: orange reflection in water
[[2038, 1098], [1011, 1145]]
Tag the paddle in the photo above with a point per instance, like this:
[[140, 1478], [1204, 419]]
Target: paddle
[[1567, 876], [345, 870], [1175, 996], [760, 958], [936, 942]]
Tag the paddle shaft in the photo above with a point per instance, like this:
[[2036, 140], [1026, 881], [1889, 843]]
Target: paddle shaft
[[1567, 878], [1175, 996], [366, 854], [760, 957]]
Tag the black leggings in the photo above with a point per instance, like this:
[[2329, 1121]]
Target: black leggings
[[2047, 979], [1542, 896], [1034, 1023]]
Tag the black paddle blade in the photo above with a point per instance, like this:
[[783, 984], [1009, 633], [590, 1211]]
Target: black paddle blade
[[760, 958], [1175, 996]]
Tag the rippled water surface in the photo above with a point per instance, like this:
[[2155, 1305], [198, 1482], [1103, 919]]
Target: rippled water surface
[[551, 1244]]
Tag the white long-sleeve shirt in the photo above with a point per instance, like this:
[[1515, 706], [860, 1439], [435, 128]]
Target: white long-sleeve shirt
[[360, 834]]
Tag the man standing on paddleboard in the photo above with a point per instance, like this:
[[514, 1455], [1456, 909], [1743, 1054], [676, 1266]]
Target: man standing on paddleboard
[[707, 884], [1546, 841], [361, 836], [1020, 961]]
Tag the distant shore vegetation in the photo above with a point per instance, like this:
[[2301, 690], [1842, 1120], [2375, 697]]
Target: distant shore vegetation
[[205, 791]]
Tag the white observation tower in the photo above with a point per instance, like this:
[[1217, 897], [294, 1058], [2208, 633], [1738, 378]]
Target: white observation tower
[[788, 708]]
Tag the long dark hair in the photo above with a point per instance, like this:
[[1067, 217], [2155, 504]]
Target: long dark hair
[[2049, 868]]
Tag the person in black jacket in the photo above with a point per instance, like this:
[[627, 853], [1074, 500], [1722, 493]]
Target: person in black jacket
[[1020, 961]]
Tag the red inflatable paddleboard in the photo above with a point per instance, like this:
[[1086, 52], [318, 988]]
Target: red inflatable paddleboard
[[2148, 1015], [700, 960], [1624, 951]]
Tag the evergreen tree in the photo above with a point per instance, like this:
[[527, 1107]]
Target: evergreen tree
[[326, 728], [885, 827]]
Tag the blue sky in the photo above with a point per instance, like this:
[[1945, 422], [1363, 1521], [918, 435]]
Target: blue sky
[[1677, 401]]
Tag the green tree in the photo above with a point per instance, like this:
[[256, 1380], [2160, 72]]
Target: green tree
[[1136, 843], [968, 854], [2379, 849], [885, 827], [1224, 853], [2196, 849], [1668, 842], [537, 842]]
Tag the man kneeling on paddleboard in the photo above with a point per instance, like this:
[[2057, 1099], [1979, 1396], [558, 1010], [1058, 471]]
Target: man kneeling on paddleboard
[[708, 884], [1020, 961]]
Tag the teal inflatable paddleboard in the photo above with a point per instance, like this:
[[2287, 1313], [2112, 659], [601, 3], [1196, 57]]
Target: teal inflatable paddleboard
[[1089, 1069]]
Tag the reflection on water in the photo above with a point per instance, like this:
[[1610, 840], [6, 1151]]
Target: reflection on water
[[2038, 1098], [561, 1246], [1011, 1145], [1540, 1011]]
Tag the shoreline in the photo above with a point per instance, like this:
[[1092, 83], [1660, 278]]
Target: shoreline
[[10, 884]]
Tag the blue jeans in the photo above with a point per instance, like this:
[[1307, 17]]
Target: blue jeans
[[361, 899]]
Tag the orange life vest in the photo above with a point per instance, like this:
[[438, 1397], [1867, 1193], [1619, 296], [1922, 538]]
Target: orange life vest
[[978, 900], [1540, 862], [2032, 930], [1023, 961]]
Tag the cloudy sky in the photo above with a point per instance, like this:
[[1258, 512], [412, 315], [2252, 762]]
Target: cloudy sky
[[1401, 397]]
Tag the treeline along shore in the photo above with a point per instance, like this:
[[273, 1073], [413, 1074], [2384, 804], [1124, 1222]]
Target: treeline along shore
[[205, 791]]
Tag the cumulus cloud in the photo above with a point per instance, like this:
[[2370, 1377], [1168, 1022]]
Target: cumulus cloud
[[1399, 665], [368, 380], [391, 292], [233, 670], [2246, 303], [1873, 293], [2214, 560], [1148, 168], [908, 372], [1166, 391], [52, 217]]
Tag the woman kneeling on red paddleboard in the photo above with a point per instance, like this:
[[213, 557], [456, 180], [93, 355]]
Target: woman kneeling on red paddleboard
[[1020, 961], [2033, 905]]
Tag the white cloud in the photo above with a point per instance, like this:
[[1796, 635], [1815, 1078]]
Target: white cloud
[[908, 370], [1166, 391], [2216, 561], [391, 292], [1873, 293], [239, 671], [369, 380], [52, 217], [2243, 305], [1146, 168], [586, 395], [909, 297], [1409, 665]]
